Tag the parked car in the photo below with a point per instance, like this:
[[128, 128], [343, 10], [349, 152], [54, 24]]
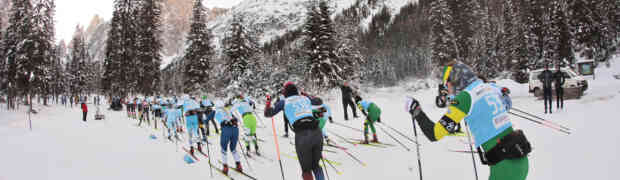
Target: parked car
[[574, 85]]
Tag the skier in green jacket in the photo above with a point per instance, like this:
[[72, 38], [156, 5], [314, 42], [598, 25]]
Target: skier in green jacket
[[480, 104]]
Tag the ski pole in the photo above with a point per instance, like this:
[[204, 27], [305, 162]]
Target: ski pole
[[415, 132], [209, 157], [343, 138], [343, 125], [544, 123], [400, 133], [345, 150], [472, 151], [381, 127], [537, 117], [245, 156], [324, 168], [333, 167], [275, 137]]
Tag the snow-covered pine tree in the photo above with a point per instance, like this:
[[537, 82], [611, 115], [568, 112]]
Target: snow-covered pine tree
[[3, 67], [534, 21], [58, 74], [113, 71], [121, 68], [551, 33], [43, 37], [485, 56], [565, 47], [442, 36], [20, 47], [319, 43], [513, 40], [199, 54], [149, 46], [348, 49], [240, 48], [464, 16], [78, 64]]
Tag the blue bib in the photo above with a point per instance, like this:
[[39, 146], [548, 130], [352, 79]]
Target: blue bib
[[488, 116], [221, 115], [243, 107], [297, 107], [171, 115]]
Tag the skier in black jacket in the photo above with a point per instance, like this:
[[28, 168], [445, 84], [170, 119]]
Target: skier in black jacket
[[559, 90], [546, 78], [347, 100]]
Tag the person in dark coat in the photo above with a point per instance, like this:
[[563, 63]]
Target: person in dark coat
[[347, 100], [546, 78], [559, 90], [84, 111]]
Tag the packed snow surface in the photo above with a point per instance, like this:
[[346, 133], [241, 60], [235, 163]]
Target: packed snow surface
[[60, 146]]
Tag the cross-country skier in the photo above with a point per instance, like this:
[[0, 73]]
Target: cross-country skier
[[207, 106], [171, 116], [230, 134], [321, 112], [242, 109], [191, 107], [506, 98], [372, 113], [308, 137], [480, 105]]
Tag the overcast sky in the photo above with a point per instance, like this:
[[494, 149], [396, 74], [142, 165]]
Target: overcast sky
[[69, 13]]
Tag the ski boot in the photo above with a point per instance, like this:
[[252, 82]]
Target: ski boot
[[365, 141], [256, 148], [225, 169], [238, 163], [374, 138], [247, 152], [199, 147], [191, 151], [286, 135]]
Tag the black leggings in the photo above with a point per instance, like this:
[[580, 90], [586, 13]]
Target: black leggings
[[548, 99], [349, 103], [309, 145], [560, 98]]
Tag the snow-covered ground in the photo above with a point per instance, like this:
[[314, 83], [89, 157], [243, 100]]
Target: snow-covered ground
[[60, 146]]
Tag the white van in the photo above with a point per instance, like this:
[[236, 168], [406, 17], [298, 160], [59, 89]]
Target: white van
[[574, 85]]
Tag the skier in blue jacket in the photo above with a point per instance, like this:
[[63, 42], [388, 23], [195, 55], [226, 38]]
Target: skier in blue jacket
[[308, 137], [230, 134], [171, 116], [191, 107]]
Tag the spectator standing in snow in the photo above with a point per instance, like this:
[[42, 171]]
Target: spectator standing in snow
[[84, 111], [559, 90], [546, 78], [347, 100]]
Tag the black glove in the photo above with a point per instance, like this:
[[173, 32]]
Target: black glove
[[414, 107], [379, 120]]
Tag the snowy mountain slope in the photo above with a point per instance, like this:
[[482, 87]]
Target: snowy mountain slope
[[274, 17], [62, 147]]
